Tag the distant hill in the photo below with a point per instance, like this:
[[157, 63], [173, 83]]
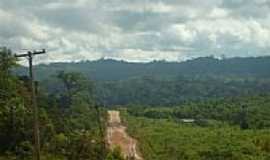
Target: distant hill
[[120, 70], [163, 83]]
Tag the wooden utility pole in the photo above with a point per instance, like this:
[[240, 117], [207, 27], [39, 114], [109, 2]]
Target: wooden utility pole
[[30, 55]]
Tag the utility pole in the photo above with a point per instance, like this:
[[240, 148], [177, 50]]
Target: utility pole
[[30, 55]]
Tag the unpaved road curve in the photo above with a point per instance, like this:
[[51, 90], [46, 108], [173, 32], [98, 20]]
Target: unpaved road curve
[[117, 136]]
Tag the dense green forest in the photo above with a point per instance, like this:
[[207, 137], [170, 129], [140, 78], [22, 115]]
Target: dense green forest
[[110, 70], [205, 108], [164, 83], [225, 129], [156, 92], [71, 124]]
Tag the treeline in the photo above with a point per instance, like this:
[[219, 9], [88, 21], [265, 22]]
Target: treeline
[[245, 112], [162, 139], [71, 123], [157, 92], [154, 91], [165, 83], [112, 70], [222, 129]]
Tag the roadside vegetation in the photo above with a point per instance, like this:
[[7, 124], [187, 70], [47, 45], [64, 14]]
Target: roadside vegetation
[[70, 126], [216, 116], [222, 130]]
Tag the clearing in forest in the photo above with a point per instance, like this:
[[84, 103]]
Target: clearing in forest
[[117, 136]]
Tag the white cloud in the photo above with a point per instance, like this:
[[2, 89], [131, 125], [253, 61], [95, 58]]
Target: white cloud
[[136, 30], [138, 55], [184, 33], [218, 13], [239, 31]]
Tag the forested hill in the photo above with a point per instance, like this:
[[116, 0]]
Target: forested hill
[[255, 67]]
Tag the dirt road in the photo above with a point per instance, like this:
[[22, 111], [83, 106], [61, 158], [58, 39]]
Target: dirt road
[[117, 136]]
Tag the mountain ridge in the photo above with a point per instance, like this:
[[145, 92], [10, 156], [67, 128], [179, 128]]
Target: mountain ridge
[[109, 69]]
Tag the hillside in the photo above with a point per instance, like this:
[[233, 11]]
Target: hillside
[[164, 83], [121, 70]]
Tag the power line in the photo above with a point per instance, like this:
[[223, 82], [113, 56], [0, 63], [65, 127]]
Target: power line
[[30, 55]]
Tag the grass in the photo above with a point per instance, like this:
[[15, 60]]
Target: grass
[[165, 139]]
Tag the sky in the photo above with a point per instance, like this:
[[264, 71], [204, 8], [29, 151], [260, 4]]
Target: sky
[[136, 30]]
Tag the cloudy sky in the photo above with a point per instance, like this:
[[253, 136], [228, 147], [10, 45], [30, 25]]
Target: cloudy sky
[[136, 30]]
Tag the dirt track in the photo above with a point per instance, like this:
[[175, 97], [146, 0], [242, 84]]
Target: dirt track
[[117, 136]]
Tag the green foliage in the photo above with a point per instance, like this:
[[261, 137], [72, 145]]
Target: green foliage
[[161, 139], [78, 133], [70, 127], [112, 70], [14, 113], [165, 83], [160, 91], [246, 112], [115, 154]]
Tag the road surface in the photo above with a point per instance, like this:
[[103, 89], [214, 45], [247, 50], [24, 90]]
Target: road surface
[[117, 136]]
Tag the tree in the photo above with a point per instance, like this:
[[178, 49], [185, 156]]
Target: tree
[[15, 116], [74, 83]]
